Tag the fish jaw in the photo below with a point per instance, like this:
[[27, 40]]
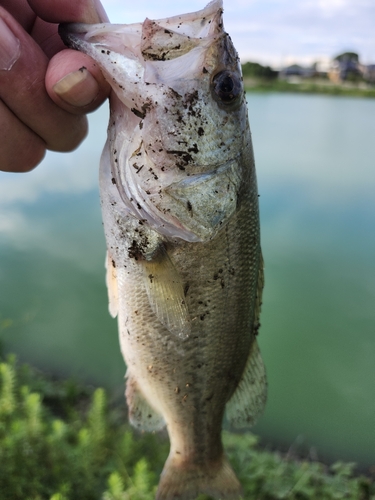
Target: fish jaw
[[169, 129]]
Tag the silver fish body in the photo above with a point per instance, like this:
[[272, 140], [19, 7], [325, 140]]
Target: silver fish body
[[180, 210]]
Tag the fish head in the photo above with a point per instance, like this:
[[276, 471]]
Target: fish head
[[178, 122]]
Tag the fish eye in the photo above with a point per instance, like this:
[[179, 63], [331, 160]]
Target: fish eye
[[226, 87]]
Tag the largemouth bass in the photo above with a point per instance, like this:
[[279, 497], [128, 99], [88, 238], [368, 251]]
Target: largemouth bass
[[180, 210]]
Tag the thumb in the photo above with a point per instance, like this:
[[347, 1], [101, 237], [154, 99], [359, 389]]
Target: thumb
[[75, 83]]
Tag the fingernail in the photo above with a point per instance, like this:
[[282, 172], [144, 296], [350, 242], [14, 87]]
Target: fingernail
[[78, 88], [10, 47]]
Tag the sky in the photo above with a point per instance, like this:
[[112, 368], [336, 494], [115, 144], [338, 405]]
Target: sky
[[276, 32]]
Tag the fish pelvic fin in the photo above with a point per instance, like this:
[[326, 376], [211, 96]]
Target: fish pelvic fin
[[111, 281], [166, 293], [181, 481], [141, 414]]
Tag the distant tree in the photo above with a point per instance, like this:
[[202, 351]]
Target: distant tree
[[347, 56], [349, 66], [256, 70]]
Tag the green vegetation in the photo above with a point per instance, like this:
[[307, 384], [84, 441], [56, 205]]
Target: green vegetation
[[61, 441], [256, 70]]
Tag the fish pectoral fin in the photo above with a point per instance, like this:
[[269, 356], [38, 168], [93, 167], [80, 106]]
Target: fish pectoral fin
[[248, 401], [141, 414], [166, 293], [111, 281]]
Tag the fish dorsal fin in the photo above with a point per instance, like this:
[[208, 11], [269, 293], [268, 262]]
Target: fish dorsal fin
[[249, 399], [111, 281], [141, 414], [166, 293]]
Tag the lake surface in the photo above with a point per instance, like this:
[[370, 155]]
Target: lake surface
[[315, 158]]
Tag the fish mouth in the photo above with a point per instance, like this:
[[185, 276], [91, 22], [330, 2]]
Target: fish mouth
[[182, 32], [135, 57], [140, 48]]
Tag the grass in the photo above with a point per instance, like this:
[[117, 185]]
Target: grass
[[308, 86], [60, 441]]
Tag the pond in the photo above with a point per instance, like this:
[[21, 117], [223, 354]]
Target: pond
[[315, 158]]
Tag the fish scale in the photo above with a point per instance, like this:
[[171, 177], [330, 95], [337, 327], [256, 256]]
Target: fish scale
[[180, 211]]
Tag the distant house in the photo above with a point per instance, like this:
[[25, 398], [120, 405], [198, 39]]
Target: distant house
[[369, 73]]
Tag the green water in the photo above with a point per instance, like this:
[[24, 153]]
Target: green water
[[315, 159]]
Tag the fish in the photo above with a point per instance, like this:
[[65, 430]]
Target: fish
[[180, 210]]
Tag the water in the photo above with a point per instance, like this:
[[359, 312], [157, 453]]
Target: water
[[315, 158], [315, 161]]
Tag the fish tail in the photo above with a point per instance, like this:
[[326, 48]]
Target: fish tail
[[183, 481]]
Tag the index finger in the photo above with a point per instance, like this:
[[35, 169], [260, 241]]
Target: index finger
[[21, 11], [69, 11], [22, 90]]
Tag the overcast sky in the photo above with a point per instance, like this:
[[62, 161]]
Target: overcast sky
[[276, 32]]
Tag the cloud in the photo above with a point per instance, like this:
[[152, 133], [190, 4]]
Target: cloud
[[272, 30]]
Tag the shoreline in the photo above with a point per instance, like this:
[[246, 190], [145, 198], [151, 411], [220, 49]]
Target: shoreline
[[309, 86]]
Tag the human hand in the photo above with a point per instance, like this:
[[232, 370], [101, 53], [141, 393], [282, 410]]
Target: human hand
[[45, 89]]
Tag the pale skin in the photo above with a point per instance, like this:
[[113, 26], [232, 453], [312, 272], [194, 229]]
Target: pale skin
[[46, 90]]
